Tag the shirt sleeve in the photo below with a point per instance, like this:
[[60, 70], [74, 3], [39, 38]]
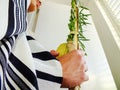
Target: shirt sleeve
[[48, 68]]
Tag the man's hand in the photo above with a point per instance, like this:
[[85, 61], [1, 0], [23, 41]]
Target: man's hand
[[34, 5], [74, 68]]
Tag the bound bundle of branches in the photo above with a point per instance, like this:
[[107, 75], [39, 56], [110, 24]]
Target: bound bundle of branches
[[75, 39], [78, 19]]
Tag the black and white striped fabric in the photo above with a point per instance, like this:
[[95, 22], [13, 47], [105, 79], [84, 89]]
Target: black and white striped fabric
[[24, 63]]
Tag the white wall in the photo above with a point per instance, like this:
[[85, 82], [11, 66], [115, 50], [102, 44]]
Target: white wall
[[52, 30], [52, 24]]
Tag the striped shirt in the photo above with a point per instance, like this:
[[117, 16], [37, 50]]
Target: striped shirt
[[24, 64]]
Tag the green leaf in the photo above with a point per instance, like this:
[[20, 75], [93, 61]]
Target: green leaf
[[82, 20], [84, 7]]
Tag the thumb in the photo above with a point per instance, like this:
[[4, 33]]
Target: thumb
[[54, 53]]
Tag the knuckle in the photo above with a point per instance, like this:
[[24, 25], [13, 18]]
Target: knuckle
[[84, 77]]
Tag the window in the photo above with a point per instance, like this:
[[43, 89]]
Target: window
[[114, 6], [111, 9]]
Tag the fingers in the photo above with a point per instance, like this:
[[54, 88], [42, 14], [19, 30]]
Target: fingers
[[84, 77], [74, 68], [84, 66], [81, 52], [54, 53], [34, 5], [78, 81], [38, 3]]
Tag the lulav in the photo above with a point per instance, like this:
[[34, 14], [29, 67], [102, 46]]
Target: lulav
[[75, 38]]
